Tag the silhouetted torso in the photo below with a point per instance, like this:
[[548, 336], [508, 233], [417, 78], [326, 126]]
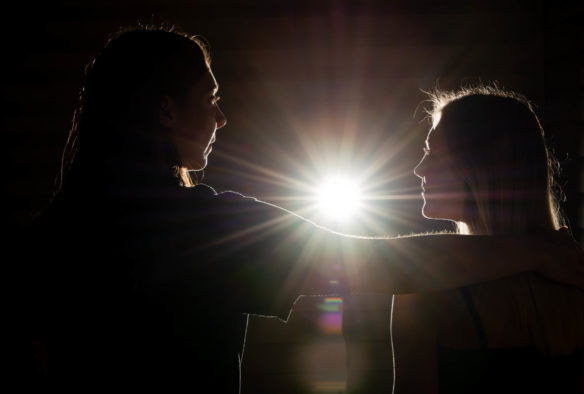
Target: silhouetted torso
[[149, 287], [489, 368], [510, 370]]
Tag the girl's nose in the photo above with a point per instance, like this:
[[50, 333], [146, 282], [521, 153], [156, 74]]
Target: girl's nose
[[418, 170]]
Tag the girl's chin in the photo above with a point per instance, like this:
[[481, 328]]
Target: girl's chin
[[431, 211], [440, 214]]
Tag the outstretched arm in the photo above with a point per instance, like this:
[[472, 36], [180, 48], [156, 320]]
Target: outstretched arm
[[421, 263], [442, 261], [274, 256]]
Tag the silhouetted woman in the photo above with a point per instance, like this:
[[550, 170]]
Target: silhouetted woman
[[486, 168], [142, 280]]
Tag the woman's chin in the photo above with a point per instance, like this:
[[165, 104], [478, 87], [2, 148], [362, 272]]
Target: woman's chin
[[196, 164], [200, 166]]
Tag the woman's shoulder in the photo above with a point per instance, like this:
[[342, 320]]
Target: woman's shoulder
[[207, 192], [237, 208], [206, 197]]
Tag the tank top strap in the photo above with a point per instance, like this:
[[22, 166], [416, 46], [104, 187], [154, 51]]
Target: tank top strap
[[476, 319]]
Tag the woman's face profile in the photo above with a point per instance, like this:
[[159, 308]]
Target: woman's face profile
[[443, 189], [192, 124]]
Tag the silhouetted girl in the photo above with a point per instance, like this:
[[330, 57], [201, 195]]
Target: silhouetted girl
[[486, 167]]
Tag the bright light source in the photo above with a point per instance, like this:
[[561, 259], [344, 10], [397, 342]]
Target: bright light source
[[339, 197]]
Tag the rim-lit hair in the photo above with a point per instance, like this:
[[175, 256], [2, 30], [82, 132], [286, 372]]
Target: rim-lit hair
[[115, 125], [498, 145]]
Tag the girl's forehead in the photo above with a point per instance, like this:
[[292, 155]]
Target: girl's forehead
[[435, 137]]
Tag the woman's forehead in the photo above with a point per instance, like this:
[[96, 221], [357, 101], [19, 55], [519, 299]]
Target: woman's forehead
[[205, 85], [209, 82]]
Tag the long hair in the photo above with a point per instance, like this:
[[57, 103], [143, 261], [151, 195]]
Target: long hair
[[498, 145], [115, 133], [499, 148]]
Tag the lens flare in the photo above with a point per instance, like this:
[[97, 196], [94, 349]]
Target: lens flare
[[330, 321], [339, 198]]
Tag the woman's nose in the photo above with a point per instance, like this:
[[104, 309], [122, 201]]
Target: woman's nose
[[221, 119]]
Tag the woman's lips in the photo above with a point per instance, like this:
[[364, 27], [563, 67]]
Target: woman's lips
[[209, 147]]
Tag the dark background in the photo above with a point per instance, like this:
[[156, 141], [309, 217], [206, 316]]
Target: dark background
[[308, 87]]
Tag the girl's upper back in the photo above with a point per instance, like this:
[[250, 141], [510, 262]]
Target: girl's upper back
[[519, 333]]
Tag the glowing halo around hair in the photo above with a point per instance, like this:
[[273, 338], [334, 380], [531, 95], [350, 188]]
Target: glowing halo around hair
[[339, 198]]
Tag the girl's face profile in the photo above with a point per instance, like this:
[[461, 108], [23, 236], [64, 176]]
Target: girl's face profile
[[443, 189], [192, 123]]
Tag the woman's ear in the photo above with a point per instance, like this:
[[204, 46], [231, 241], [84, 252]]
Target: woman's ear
[[167, 114]]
